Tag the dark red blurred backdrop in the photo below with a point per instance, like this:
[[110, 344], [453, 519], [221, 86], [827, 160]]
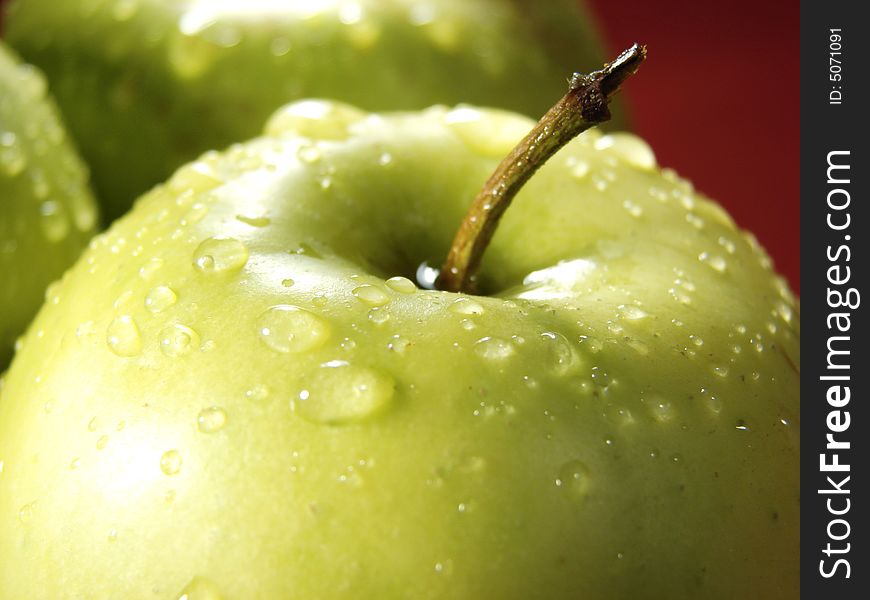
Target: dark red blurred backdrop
[[718, 101]]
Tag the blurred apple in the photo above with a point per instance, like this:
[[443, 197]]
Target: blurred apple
[[47, 213], [149, 84]]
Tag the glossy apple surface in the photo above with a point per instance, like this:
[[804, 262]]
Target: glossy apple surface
[[150, 84], [233, 394], [47, 212]]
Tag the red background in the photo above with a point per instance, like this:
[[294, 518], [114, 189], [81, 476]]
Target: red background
[[718, 101]]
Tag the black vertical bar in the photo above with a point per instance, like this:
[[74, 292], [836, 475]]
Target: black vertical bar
[[834, 263]]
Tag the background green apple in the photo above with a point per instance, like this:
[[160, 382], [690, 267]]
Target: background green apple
[[150, 84], [270, 411], [47, 213]]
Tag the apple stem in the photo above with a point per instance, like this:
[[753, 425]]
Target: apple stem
[[582, 107]]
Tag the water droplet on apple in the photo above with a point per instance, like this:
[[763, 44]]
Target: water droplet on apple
[[291, 329], [560, 354], [254, 221], [741, 425], [371, 295], [123, 336], [635, 210], [631, 312], [220, 255], [257, 393], [194, 178], [308, 153], [378, 316], [579, 168], [721, 371], [147, 270], [339, 393], [75, 463], [170, 462], [211, 419], [102, 441], [491, 133], [160, 298], [177, 340], [715, 262], [398, 344], [574, 478], [662, 410], [54, 221], [466, 306], [402, 285], [196, 214], [288, 282], [280, 46], [200, 588], [25, 513], [714, 403], [493, 348], [315, 119], [385, 159], [12, 158], [630, 148]]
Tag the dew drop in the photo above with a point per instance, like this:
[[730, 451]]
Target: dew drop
[[631, 312], [561, 356], [402, 285], [170, 462], [741, 425], [493, 348], [398, 344], [102, 441], [288, 282], [378, 316], [220, 255], [339, 393], [150, 267], [629, 148], [317, 119], [123, 336], [662, 411], [54, 222], [715, 262], [177, 340], [211, 419], [254, 221], [573, 477], [291, 329], [308, 153], [257, 393], [160, 298], [635, 210], [466, 306], [371, 295]]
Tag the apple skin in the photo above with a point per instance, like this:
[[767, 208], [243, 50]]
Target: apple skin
[[264, 414], [47, 211], [144, 97]]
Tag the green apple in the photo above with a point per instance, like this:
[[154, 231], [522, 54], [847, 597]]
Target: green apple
[[238, 392], [47, 212], [150, 84]]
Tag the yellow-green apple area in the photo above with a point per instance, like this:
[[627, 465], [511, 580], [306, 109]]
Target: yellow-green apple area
[[238, 391], [47, 212], [147, 85]]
